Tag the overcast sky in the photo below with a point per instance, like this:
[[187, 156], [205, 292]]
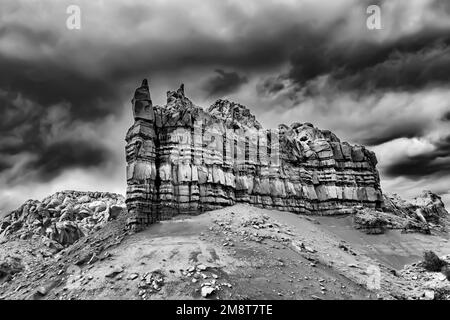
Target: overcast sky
[[65, 94]]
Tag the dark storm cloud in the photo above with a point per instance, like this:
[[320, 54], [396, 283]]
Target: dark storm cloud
[[51, 78], [406, 130], [224, 83], [428, 67], [19, 126], [441, 5], [47, 83], [87, 71], [436, 162], [201, 51], [271, 85], [446, 116], [85, 76], [65, 155], [64, 74], [25, 127], [4, 165], [408, 63]]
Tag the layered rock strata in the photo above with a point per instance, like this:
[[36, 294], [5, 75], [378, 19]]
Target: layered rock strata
[[184, 159]]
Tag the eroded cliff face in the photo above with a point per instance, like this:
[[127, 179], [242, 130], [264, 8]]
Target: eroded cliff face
[[183, 159]]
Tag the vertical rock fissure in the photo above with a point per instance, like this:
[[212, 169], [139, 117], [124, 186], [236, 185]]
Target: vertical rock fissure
[[156, 195]]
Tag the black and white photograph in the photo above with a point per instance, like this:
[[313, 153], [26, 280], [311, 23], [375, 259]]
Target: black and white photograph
[[219, 152]]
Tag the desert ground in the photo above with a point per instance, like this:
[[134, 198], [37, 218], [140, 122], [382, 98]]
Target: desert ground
[[238, 252]]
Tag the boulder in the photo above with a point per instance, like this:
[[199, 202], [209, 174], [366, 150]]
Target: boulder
[[115, 210], [66, 233], [370, 221], [84, 199], [97, 206], [54, 202], [207, 291]]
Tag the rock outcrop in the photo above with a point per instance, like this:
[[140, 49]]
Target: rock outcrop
[[430, 206], [428, 279], [63, 217], [370, 221], [184, 159], [422, 214]]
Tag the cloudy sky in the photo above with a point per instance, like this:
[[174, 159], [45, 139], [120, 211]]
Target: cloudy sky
[[65, 94]]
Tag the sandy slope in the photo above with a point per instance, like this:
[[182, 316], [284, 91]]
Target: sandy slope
[[247, 253]]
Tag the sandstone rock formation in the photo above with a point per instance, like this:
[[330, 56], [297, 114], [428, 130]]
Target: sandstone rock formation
[[183, 159], [421, 214], [63, 217], [430, 206]]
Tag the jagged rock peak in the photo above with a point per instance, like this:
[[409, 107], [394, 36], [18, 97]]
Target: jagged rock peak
[[142, 103], [428, 196], [142, 92], [177, 100], [234, 113], [307, 132], [181, 89]]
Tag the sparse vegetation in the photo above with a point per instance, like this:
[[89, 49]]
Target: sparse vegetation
[[446, 272], [432, 262], [9, 266]]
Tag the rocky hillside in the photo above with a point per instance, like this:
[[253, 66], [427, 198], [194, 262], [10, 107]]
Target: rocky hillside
[[239, 252], [62, 218]]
